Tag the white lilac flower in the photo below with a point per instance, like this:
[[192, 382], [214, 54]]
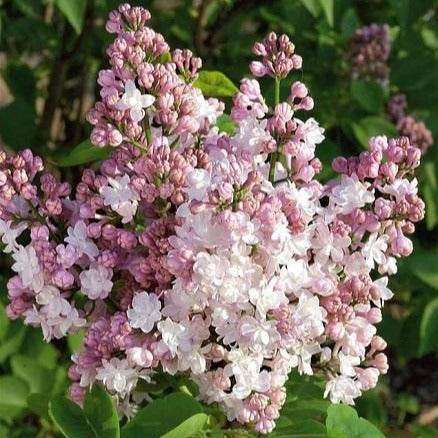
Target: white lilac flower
[[96, 282], [355, 264], [381, 285], [117, 375], [308, 318], [172, 333], [302, 356], [342, 389], [350, 194], [198, 181], [27, 267], [374, 249], [9, 235], [121, 197], [78, 238], [347, 364], [133, 100], [145, 311], [400, 188], [205, 111], [328, 245], [246, 369], [250, 137], [309, 132], [210, 268]]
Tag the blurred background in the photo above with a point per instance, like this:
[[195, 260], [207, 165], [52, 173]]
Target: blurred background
[[371, 67]]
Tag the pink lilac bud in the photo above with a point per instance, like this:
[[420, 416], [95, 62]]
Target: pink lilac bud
[[401, 245], [278, 58]]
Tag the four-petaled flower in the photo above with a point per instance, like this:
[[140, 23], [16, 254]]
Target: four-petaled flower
[[133, 100]]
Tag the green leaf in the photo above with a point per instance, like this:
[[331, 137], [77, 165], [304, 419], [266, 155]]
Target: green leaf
[[423, 70], [75, 341], [101, 412], [305, 408], [17, 123], [86, 152], [188, 428], [302, 429], [4, 322], [429, 329], [74, 11], [327, 152], [430, 193], [13, 340], [225, 124], [423, 431], [313, 6], [13, 396], [370, 405], [423, 265], [35, 347], [215, 83], [36, 376], [155, 420], [70, 418], [372, 126], [328, 8], [343, 422], [39, 404], [368, 95], [21, 81], [349, 22]]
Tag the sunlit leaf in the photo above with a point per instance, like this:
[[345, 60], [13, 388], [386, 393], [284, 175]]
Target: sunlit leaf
[[215, 83]]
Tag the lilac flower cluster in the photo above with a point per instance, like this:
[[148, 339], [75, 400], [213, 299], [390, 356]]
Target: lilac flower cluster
[[216, 256], [407, 124], [369, 52]]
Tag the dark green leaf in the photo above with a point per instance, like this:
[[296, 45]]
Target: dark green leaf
[[405, 69], [13, 340], [4, 322], [188, 428], [70, 418], [313, 6], [74, 11], [301, 429], [37, 377], [368, 95], [35, 347], [429, 329], [21, 81], [371, 126], [430, 192], [101, 413], [343, 422], [215, 83], [423, 265], [370, 406], [17, 123], [162, 416], [349, 22], [13, 396], [39, 404], [84, 153]]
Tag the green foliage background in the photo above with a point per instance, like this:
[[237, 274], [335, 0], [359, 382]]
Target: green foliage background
[[50, 53]]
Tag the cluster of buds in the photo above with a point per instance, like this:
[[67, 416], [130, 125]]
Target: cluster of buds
[[215, 256], [369, 52], [407, 124]]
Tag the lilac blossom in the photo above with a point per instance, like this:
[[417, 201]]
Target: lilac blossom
[[216, 256]]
